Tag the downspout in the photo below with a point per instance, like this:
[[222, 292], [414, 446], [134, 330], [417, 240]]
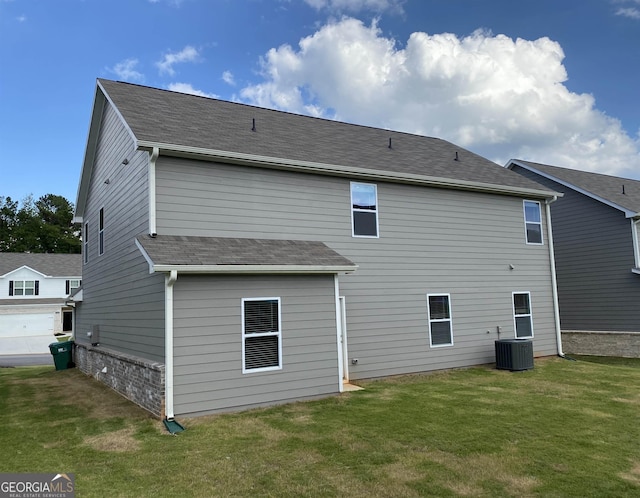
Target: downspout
[[336, 286], [554, 280], [152, 191], [169, 280]]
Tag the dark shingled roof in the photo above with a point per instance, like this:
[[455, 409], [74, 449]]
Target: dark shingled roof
[[51, 265], [166, 117], [604, 186], [199, 251]]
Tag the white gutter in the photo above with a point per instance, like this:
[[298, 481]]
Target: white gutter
[[273, 269], [335, 170], [554, 280], [169, 280], [336, 286], [152, 191]]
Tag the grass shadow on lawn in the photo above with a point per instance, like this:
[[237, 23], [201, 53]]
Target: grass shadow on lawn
[[562, 429]]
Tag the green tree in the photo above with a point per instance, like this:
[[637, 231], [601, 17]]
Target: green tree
[[44, 225]]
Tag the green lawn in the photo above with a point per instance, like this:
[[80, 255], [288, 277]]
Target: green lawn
[[563, 429]]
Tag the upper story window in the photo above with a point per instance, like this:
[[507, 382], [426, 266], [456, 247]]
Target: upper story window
[[533, 222], [71, 285], [522, 316], [101, 232], [86, 242], [364, 209], [24, 287], [261, 335], [440, 326]]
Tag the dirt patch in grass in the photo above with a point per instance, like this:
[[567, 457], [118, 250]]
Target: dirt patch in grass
[[118, 441], [633, 476], [73, 388]]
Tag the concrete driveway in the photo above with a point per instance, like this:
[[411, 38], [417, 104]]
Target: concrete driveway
[[26, 345], [25, 360]]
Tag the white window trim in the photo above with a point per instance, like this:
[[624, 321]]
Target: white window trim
[[438, 320], [524, 214], [635, 227], [353, 234], [530, 314], [86, 243], [278, 334], [101, 232], [24, 288]]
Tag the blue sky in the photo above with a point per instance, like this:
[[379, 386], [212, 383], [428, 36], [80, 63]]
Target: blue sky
[[552, 81]]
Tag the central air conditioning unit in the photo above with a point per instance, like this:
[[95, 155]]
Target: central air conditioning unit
[[514, 354]]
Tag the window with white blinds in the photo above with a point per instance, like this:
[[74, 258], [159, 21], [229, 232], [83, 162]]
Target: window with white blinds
[[261, 334]]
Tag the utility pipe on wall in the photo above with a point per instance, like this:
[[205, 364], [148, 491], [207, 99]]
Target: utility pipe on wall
[[152, 191]]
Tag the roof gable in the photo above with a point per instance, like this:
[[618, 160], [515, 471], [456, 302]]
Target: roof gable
[[620, 193], [162, 118], [48, 265]]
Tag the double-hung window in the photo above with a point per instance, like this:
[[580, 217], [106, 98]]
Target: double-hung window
[[533, 222], [364, 209], [440, 324], [24, 287], [522, 316], [101, 233], [261, 334]]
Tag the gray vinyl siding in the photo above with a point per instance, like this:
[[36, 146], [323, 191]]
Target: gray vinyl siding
[[431, 241], [119, 294], [208, 342], [594, 258]]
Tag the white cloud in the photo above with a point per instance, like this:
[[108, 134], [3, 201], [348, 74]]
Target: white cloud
[[354, 6], [630, 12], [187, 88], [499, 97], [125, 70], [227, 77], [22, 18], [187, 54]]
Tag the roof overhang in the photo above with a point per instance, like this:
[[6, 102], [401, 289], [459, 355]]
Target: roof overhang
[[206, 254], [240, 158], [627, 212]]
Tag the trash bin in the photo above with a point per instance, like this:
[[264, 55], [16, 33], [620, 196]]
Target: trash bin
[[61, 352]]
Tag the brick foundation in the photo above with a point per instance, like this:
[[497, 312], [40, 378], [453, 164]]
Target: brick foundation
[[137, 379], [622, 344]]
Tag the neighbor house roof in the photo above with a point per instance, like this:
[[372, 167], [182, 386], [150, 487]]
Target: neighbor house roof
[[231, 255], [182, 124], [50, 265], [621, 193]]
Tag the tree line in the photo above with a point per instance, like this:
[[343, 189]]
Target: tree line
[[41, 226]]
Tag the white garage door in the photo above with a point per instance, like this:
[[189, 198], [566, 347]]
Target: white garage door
[[31, 324]]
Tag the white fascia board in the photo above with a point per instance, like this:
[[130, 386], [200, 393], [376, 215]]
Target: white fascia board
[[26, 267], [334, 170], [253, 269], [628, 213], [145, 256]]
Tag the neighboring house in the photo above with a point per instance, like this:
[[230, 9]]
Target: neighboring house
[[597, 255], [33, 299], [236, 256]]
